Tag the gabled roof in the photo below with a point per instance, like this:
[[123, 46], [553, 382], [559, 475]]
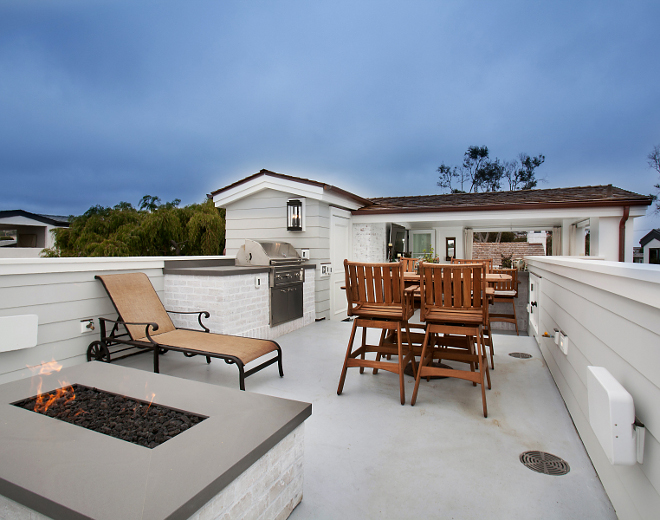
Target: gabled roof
[[654, 233], [585, 196], [52, 220], [267, 173]]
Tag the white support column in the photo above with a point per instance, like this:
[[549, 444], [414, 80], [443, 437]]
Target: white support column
[[594, 240], [567, 235]]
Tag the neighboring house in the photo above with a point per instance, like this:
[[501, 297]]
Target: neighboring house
[[337, 224], [32, 231], [651, 247]]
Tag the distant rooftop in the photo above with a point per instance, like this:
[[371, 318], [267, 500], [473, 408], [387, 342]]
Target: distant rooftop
[[53, 220]]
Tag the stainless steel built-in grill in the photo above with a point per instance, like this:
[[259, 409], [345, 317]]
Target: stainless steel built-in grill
[[286, 276]]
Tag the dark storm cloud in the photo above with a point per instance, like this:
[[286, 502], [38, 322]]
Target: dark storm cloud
[[108, 101]]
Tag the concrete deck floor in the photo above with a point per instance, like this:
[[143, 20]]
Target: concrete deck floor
[[367, 456]]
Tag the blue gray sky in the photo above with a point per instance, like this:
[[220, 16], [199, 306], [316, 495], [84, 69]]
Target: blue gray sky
[[107, 101]]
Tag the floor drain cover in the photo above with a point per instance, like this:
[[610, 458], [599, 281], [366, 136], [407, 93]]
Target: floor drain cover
[[520, 355], [544, 463]]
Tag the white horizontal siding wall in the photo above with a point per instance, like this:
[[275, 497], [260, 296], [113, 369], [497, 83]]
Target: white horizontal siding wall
[[611, 314], [262, 216], [61, 292]]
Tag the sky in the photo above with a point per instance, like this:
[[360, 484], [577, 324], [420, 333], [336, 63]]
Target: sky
[[107, 101]]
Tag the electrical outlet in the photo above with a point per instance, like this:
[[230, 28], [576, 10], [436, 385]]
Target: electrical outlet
[[326, 269], [86, 326]]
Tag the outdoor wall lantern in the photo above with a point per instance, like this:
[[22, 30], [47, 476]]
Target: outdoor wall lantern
[[294, 215]]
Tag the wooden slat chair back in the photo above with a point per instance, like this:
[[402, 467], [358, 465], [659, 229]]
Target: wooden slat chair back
[[377, 298], [449, 289], [488, 262], [410, 264], [506, 292], [454, 306], [376, 290]]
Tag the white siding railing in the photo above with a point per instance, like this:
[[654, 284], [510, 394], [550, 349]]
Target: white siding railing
[[61, 292], [610, 312]]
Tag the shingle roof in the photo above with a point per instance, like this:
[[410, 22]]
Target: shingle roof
[[327, 187], [53, 220], [654, 233], [549, 198]]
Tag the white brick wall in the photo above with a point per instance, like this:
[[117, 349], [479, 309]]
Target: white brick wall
[[269, 489], [370, 242], [236, 306]]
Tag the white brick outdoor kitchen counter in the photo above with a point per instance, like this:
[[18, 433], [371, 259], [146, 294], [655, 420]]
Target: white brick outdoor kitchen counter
[[237, 306]]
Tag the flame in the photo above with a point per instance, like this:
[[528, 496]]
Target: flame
[[45, 401], [150, 402]]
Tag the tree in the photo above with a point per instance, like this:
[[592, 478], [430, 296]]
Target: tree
[[520, 174], [654, 162], [486, 174], [153, 230]]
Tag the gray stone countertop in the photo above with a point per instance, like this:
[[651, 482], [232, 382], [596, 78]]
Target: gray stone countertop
[[222, 270], [68, 472]]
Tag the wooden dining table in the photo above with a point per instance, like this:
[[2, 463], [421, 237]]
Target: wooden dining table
[[413, 278]]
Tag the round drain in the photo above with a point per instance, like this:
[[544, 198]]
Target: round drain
[[543, 462], [520, 355]]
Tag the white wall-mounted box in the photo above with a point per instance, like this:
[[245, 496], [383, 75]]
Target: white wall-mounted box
[[18, 332], [612, 416]]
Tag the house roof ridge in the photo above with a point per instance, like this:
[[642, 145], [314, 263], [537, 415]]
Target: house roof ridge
[[323, 185]]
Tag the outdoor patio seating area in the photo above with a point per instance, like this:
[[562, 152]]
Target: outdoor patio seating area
[[366, 456]]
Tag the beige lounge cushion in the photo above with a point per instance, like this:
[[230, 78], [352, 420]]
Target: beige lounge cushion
[[504, 293], [136, 301], [245, 349]]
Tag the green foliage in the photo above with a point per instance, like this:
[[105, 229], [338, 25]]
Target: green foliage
[[430, 256], [153, 230]]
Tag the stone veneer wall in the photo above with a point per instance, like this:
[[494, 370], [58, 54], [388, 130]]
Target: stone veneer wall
[[236, 306], [370, 242], [269, 489]]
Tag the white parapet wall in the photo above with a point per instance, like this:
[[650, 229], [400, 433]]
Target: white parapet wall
[[610, 314], [61, 292]]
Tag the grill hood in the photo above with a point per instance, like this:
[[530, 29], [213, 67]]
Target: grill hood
[[269, 253]]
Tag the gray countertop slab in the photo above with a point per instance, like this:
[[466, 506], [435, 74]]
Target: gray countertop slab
[[66, 471]]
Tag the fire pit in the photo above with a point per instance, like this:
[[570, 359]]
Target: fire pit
[[66, 471]]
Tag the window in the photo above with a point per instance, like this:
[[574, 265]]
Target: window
[[654, 255], [422, 242], [451, 248]]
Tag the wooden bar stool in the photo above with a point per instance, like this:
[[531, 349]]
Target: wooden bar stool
[[376, 296]]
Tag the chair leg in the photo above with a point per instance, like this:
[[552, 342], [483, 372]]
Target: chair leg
[[402, 389], [364, 342], [380, 344], [342, 378], [422, 359], [482, 360], [513, 302]]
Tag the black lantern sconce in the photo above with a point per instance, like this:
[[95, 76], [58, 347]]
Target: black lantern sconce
[[294, 210]]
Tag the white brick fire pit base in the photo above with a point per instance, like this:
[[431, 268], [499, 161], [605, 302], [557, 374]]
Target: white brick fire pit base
[[269, 489]]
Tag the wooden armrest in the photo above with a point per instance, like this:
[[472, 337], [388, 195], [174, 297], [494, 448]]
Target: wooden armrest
[[411, 289]]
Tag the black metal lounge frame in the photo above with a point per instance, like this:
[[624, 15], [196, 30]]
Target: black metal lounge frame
[[99, 350]]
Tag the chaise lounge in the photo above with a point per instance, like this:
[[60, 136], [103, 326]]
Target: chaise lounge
[[148, 326]]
